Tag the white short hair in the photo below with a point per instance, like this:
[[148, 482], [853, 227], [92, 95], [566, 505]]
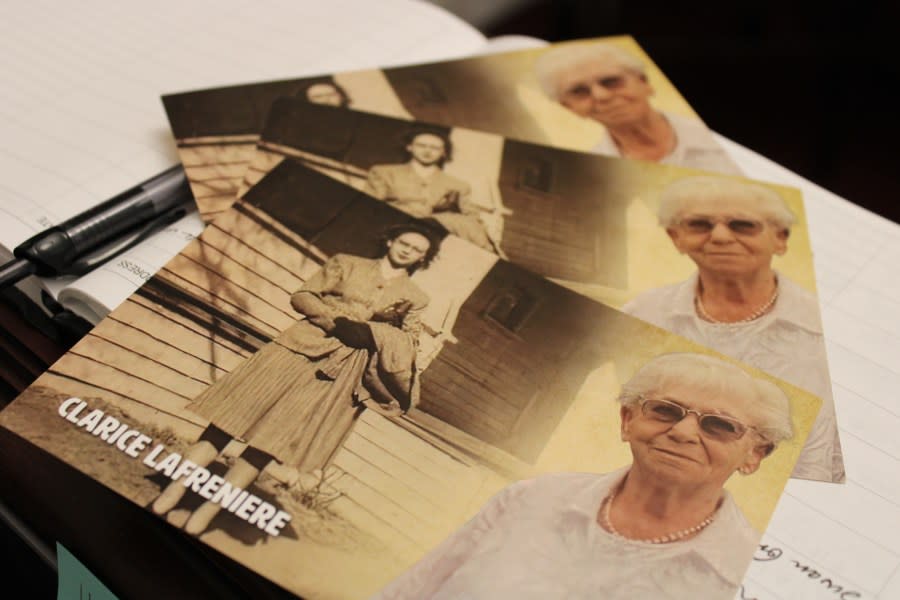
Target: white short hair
[[767, 404], [676, 198], [561, 58]]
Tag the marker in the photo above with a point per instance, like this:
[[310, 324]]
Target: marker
[[102, 232]]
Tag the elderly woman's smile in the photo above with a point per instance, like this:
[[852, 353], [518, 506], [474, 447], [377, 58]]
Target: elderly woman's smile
[[728, 236], [669, 452], [604, 92], [692, 450]]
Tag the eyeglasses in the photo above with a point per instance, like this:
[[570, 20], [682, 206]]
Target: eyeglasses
[[717, 427], [746, 227], [583, 90]]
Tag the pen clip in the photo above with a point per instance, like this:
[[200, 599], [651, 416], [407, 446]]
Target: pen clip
[[105, 253]]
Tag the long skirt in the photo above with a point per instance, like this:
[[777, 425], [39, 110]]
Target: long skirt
[[279, 402]]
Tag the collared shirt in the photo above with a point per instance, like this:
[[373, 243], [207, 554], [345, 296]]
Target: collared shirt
[[695, 147], [787, 342], [539, 539]]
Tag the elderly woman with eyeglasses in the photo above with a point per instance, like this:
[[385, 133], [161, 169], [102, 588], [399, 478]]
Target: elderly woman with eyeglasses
[[662, 527], [608, 85], [737, 304]]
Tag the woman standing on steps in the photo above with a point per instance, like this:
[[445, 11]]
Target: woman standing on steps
[[295, 401]]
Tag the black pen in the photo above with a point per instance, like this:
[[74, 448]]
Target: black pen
[[100, 233]]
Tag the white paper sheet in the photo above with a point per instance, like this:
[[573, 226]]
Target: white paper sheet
[[80, 112], [843, 541]]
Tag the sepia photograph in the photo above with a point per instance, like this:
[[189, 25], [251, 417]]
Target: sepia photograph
[[324, 388], [601, 95], [721, 260]]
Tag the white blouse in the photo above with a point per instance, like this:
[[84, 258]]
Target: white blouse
[[539, 539], [695, 147]]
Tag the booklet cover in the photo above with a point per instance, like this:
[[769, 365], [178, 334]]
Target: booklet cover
[[398, 378], [635, 235], [604, 95]]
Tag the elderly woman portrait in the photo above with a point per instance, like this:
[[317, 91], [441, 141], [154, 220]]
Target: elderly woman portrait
[[421, 188], [737, 303], [296, 399], [608, 85], [661, 527]]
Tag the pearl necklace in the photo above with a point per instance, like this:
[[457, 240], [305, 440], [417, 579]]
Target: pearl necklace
[[701, 310], [663, 539]]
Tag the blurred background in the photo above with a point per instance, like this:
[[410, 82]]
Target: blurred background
[[812, 86]]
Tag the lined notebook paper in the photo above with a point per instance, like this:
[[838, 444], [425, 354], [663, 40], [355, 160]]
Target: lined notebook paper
[[82, 120], [80, 111], [843, 541], [81, 115]]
